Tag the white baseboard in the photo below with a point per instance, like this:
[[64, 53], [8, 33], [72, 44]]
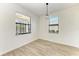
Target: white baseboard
[[62, 43], [34, 40], [4, 52]]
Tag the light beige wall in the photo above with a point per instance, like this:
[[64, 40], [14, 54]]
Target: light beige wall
[[68, 27], [8, 38]]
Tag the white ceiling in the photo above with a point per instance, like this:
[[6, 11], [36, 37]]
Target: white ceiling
[[40, 8]]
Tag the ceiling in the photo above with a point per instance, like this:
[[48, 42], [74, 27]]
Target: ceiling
[[40, 8]]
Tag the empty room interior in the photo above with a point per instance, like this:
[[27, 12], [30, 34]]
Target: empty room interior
[[39, 29]]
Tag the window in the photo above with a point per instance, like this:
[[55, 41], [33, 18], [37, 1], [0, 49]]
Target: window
[[23, 24], [53, 24]]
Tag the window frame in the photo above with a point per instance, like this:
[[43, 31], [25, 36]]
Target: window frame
[[53, 31], [24, 27]]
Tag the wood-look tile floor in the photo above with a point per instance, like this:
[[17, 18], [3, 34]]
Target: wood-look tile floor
[[44, 48]]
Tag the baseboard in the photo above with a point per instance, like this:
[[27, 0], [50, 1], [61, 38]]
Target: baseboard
[[2, 53], [32, 41], [62, 43]]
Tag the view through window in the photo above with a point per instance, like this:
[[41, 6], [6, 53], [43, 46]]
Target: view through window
[[23, 24], [53, 24]]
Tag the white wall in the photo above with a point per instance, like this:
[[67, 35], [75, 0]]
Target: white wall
[[8, 38], [68, 21], [68, 27]]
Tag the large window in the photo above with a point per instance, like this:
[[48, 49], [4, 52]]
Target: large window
[[53, 24], [23, 24]]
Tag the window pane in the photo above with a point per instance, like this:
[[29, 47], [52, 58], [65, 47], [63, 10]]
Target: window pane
[[17, 28], [22, 24], [27, 20], [53, 19], [54, 28], [19, 21], [27, 29], [22, 28], [53, 24]]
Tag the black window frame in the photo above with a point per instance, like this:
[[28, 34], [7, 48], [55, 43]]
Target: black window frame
[[24, 30], [53, 31]]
